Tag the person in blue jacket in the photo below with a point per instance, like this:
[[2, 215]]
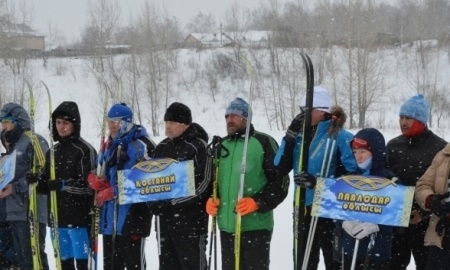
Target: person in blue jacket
[[369, 149], [342, 162], [124, 227]]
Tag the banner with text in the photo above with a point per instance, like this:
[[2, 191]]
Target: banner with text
[[364, 198], [7, 169], [156, 179]]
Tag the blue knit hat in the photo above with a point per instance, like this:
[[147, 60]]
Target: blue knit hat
[[416, 108], [238, 107], [10, 118], [121, 110]]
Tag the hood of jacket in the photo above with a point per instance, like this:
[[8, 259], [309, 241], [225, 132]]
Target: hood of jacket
[[70, 109], [19, 113], [378, 148]]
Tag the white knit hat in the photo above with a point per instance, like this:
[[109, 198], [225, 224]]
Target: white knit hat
[[321, 99]]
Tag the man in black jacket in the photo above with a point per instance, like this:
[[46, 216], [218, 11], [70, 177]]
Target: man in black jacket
[[74, 160], [184, 221], [409, 155]]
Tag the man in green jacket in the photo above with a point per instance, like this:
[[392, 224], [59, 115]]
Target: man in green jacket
[[263, 189]]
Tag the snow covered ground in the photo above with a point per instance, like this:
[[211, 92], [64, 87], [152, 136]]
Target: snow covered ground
[[80, 87]]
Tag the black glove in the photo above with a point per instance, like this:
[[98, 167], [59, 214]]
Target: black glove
[[443, 223], [296, 125], [305, 179], [433, 202], [32, 178], [55, 184]]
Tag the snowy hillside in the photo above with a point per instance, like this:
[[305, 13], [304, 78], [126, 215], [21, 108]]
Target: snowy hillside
[[189, 84]]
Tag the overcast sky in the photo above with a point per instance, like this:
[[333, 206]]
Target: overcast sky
[[71, 15]]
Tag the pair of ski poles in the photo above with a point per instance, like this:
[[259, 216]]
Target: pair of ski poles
[[325, 169], [368, 254]]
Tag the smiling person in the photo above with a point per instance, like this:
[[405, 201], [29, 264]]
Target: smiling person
[[183, 221]]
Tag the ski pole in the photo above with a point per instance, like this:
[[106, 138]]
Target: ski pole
[[355, 254], [237, 238], [324, 171], [216, 145], [369, 251], [158, 232], [113, 245]]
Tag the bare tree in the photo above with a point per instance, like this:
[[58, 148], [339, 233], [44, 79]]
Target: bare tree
[[15, 21], [103, 20], [202, 23]]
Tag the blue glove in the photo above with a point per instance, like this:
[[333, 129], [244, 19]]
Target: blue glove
[[55, 185], [305, 180]]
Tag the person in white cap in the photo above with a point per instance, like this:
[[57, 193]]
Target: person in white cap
[[342, 162]]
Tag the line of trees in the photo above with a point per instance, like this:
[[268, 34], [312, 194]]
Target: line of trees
[[342, 37]]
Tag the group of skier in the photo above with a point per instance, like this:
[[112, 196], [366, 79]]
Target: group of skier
[[239, 180]]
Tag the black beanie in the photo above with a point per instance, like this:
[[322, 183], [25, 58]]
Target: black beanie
[[178, 112]]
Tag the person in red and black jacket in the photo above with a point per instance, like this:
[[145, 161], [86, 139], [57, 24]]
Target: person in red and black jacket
[[408, 157]]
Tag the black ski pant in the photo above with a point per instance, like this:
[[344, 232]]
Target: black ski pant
[[438, 259], [407, 240], [127, 252], [254, 251], [182, 251], [70, 264], [359, 265], [323, 239]]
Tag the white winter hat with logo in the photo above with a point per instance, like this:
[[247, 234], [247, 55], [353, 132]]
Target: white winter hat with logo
[[321, 99]]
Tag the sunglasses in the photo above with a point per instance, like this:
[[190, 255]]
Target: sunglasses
[[115, 120]]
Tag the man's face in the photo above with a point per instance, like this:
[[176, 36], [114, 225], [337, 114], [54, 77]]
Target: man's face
[[175, 129], [405, 123], [65, 128], [7, 125], [235, 123], [114, 126]]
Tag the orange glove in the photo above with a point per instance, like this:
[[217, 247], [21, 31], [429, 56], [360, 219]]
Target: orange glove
[[212, 206], [246, 206]]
